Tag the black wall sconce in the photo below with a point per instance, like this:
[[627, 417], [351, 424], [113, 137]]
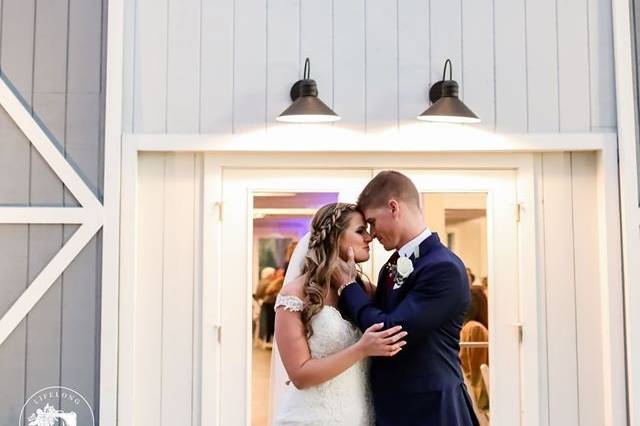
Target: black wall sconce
[[306, 106], [446, 106]]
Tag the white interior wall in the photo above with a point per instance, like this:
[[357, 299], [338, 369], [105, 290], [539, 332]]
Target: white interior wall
[[470, 235], [471, 245], [433, 206]]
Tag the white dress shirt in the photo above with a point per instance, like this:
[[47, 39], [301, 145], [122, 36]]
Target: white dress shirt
[[408, 249]]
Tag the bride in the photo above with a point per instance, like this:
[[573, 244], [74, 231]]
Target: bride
[[324, 355]]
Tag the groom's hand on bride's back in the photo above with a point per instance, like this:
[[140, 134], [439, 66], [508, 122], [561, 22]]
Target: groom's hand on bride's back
[[345, 271]]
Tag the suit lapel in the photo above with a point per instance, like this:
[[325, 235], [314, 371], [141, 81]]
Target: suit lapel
[[425, 247]]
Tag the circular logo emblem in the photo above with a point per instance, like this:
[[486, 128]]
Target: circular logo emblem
[[56, 406]]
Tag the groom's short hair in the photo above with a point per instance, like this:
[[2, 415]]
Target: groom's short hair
[[385, 186]]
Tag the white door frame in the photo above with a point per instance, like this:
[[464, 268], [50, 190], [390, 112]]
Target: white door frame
[[533, 378], [505, 348], [627, 122], [513, 156]]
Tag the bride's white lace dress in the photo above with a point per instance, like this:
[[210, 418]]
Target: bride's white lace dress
[[343, 400]]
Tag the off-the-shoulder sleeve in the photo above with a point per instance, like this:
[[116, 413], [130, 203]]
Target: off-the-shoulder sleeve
[[289, 303]]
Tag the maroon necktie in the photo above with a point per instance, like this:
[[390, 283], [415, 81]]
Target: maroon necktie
[[393, 260]]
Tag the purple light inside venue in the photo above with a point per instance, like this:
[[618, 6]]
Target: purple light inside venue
[[293, 223], [323, 198], [307, 200]]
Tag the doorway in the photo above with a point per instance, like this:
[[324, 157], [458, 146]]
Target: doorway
[[473, 211]]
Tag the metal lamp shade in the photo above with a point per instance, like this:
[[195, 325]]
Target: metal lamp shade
[[308, 109], [446, 107], [449, 109]]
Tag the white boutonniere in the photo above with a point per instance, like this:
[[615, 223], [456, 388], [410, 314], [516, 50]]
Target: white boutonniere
[[400, 271], [403, 268]]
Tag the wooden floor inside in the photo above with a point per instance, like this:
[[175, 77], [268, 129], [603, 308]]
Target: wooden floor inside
[[260, 386]]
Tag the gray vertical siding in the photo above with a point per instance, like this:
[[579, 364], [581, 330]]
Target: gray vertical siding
[[52, 53]]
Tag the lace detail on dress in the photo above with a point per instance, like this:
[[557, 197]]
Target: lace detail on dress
[[324, 404], [290, 303]]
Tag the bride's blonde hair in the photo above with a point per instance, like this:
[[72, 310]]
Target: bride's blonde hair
[[326, 228]]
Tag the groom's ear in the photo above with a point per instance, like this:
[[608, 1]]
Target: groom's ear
[[394, 206]]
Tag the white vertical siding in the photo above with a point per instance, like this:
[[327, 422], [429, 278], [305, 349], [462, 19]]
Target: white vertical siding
[[216, 66], [349, 61], [510, 66], [178, 289], [573, 65], [445, 26], [572, 286], [478, 59], [522, 65], [316, 43], [381, 65], [602, 88], [166, 294], [414, 60], [560, 289], [283, 57], [149, 86], [149, 289], [183, 66], [249, 65], [542, 66]]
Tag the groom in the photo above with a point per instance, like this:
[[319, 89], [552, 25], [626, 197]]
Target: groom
[[423, 287]]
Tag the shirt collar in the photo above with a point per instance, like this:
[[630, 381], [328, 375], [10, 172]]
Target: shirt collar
[[407, 249]]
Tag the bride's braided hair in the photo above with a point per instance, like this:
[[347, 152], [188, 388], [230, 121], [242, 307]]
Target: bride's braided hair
[[326, 228]]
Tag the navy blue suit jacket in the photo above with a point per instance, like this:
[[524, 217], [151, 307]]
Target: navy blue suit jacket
[[423, 383]]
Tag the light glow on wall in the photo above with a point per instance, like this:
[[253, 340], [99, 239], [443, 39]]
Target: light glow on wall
[[418, 136]]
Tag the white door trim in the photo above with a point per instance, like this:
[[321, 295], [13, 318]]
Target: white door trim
[[419, 138], [109, 314], [627, 124], [532, 351], [41, 215]]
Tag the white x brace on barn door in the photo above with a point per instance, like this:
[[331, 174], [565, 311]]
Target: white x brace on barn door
[[89, 216]]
